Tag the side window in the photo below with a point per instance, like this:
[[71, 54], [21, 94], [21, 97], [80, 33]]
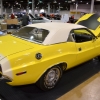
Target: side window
[[82, 35]]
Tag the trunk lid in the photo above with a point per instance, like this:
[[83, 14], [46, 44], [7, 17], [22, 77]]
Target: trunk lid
[[10, 45]]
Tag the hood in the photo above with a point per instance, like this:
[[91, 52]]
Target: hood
[[10, 45], [92, 22]]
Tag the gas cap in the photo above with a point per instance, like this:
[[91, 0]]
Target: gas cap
[[38, 56]]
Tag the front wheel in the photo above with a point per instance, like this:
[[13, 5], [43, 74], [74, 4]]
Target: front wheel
[[50, 78]]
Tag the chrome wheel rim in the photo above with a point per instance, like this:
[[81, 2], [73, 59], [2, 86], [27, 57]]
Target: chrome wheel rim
[[52, 77]]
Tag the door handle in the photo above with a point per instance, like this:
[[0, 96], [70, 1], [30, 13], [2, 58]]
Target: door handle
[[79, 49]]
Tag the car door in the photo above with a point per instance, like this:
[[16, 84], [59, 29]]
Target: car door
[[85, 44], [71, 52]]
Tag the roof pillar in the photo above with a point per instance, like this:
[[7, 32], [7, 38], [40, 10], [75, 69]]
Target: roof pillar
[[92, 6]]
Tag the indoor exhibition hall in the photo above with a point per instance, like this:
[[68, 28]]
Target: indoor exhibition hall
[[49, 49]]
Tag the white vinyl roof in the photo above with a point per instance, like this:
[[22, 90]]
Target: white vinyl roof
[[58, 32]]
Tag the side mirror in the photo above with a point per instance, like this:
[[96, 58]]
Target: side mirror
[[94, 38]]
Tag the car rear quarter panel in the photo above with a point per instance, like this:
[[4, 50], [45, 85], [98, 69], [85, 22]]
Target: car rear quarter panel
[[51, 55]]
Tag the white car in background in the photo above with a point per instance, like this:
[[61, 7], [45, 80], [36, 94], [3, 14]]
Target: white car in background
[[41, 19]]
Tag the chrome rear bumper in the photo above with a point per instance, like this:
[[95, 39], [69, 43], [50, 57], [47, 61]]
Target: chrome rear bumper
[[3, 77]]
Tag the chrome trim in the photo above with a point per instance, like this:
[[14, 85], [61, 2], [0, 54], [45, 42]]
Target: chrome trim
[[6, 78], [27, 39]]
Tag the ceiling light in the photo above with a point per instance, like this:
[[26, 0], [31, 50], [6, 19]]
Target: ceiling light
[[30, 2], [55, 1], [70, 1], [87, 3], [40, 1], [73, 0], [80, 1]]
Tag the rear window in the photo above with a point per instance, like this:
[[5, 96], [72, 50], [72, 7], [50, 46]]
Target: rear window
[[32, 34]]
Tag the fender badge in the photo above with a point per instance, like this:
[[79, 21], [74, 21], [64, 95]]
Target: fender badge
[[38, 56]]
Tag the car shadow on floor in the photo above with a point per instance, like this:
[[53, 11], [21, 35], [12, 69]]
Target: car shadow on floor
[[71, 78]]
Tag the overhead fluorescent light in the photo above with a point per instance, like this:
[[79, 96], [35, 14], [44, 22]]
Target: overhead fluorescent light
[[69, 1], [40, 1], [30, 2], [55, 1]]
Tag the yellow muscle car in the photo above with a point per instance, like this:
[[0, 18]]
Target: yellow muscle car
[[39, 53]]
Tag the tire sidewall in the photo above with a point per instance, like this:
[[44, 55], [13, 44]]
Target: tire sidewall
[[42, 83]]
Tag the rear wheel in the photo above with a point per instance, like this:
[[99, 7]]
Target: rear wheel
[[50, 78]]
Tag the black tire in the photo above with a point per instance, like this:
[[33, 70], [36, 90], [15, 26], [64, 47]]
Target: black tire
[[45, 83]]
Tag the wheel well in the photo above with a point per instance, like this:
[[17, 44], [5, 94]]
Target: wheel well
[[63, 65]]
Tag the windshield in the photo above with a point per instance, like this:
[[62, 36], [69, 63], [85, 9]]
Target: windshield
[[32, 34]]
